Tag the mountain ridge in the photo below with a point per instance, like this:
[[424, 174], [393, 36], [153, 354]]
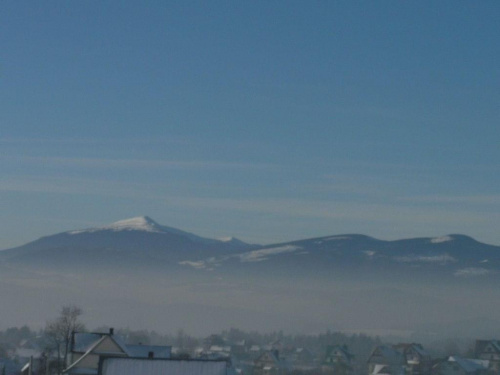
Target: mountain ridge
[[141, 240]]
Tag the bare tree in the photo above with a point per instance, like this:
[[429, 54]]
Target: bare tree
[[60, 329]]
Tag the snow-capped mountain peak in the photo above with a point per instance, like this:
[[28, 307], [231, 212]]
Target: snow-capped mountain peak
[[144, 223], [139, 223], [442, 239]]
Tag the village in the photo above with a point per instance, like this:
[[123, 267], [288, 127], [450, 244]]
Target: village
[[126, 352]]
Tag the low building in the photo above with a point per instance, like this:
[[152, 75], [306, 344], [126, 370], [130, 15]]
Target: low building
[[385, 360], [142, 366], [86, 349], [417, 359], [270, 363], [489, 350], [337, 360], [335, 354]]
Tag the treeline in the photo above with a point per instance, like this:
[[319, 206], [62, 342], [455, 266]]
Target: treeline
[[359, 344]]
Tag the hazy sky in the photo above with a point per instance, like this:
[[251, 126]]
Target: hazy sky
[[266, 120]]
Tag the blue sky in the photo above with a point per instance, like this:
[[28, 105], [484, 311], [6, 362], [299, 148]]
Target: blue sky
[[266, 120]]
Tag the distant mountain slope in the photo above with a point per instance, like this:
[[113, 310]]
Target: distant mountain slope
[[452, 255], [135, 238]]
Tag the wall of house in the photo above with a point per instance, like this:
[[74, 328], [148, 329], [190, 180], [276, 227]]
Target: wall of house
[[90, 361], [108, 346]]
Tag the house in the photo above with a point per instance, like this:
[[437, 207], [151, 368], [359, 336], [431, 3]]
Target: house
[[385, 360], [461, 366], [154, 366], [42, 364], [270, 363], [87, 348], [337, 359], [337, 354], [489, 350], [34, 366], [27, 349], [417, 360]]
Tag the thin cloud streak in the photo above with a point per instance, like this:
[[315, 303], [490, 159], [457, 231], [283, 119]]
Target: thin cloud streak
[[439, 199], [324, 209], [385, 212], [132, 163], [74, 186]]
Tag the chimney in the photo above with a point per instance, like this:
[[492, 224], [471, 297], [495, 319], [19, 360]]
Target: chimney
[[151, 355], [111, 331]]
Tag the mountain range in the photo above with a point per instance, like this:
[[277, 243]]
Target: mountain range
[[141, 240], [136, 270]]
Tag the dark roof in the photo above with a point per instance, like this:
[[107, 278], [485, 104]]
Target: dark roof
[[142, 351], [342, 348]]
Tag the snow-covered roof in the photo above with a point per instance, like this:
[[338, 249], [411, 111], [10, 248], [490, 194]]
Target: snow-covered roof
[[218, 348], [469, 365], [380, 370], [27, 352], [133, 366]]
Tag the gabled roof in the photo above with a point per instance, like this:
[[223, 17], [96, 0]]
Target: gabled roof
[[388, 353], [338, 349], [481, 345], [269, 354], [83, 341], [91, 349], [418, 348]]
